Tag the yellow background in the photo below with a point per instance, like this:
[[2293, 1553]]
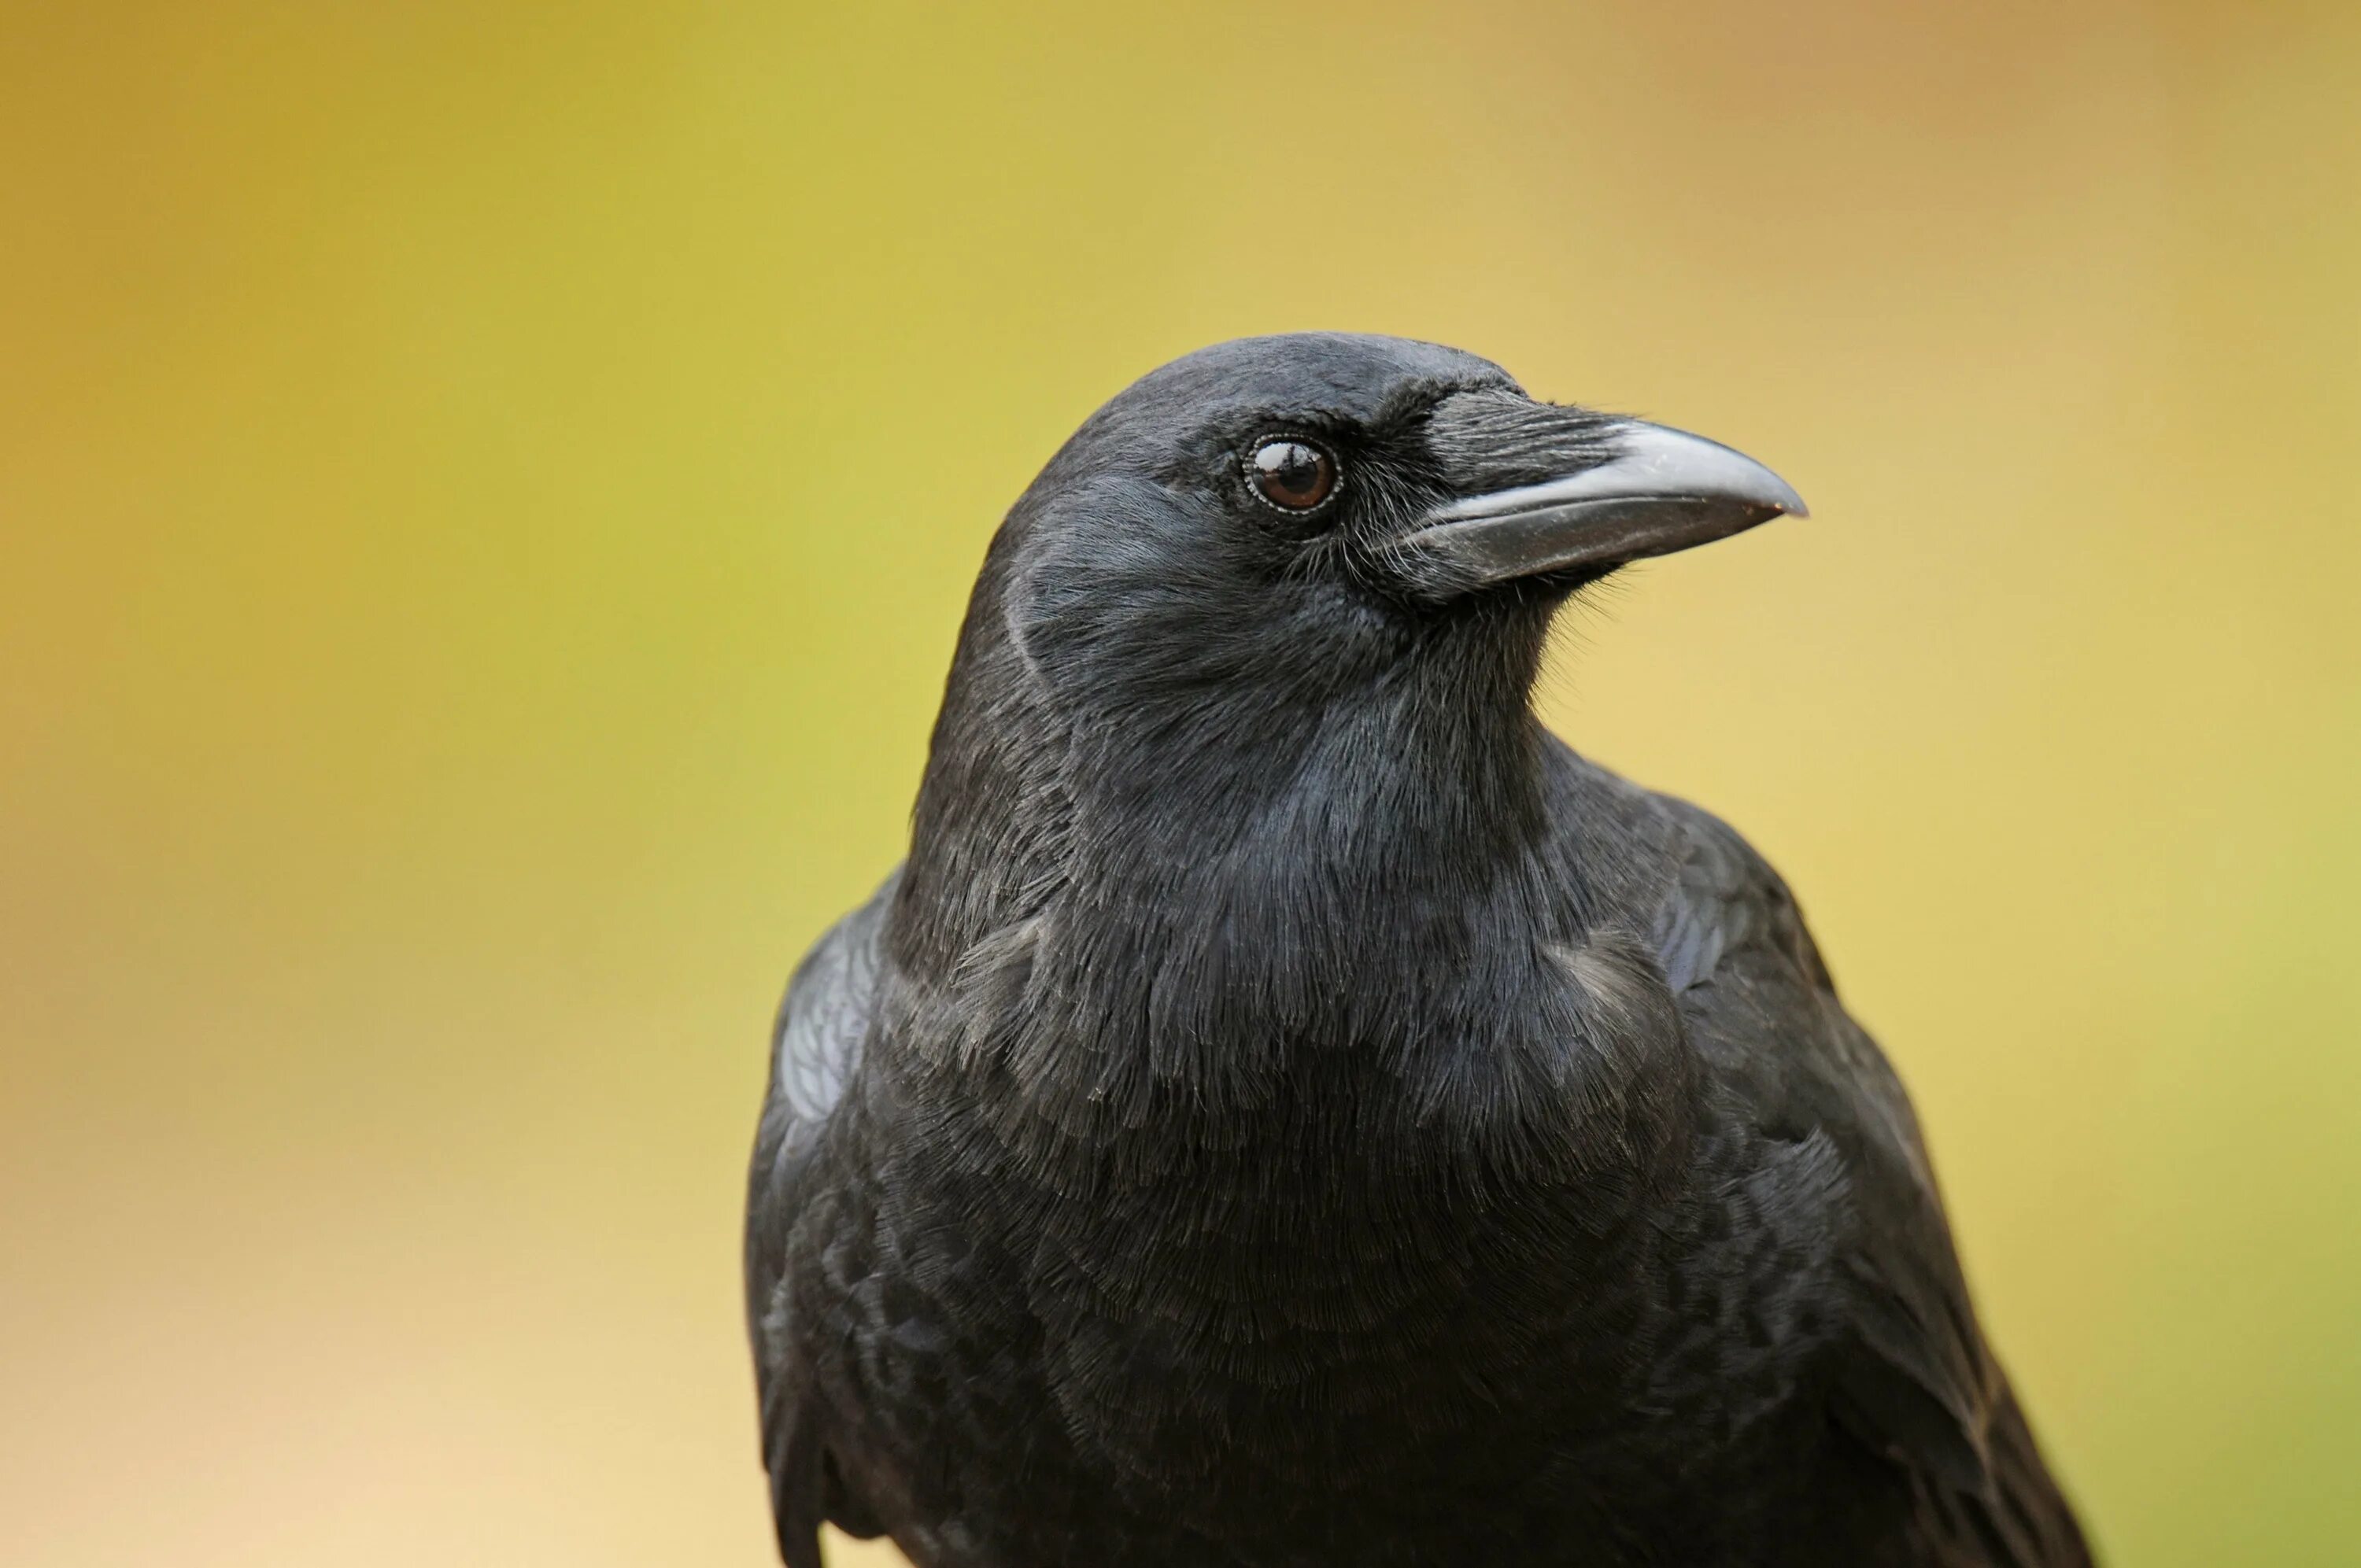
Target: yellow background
[[486, 495]]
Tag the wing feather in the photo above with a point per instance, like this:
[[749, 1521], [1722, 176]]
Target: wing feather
[[815, 1048], [1907, 1372]]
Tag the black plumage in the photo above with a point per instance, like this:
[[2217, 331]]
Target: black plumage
[[1290, 1109]]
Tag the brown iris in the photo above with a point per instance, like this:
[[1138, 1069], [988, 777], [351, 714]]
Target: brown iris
[[1291, 474]]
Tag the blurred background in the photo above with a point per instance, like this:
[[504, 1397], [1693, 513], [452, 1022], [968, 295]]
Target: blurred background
[[487, 494]]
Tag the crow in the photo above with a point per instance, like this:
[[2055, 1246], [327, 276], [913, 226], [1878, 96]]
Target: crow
[[1288, 1110]]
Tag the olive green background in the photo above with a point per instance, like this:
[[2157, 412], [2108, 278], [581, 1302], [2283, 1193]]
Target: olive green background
[[486, 495]]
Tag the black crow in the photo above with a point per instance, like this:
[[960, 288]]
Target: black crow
[[1290, 1109]]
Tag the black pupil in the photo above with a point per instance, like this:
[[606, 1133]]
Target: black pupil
[[1293, 473]]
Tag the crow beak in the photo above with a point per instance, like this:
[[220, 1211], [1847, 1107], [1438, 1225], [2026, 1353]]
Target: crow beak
[[1643, 490]]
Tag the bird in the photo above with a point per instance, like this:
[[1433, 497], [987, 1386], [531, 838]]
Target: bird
[[1290, 1109]]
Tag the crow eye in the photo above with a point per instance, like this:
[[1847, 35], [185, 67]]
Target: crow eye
[[1290, 474]]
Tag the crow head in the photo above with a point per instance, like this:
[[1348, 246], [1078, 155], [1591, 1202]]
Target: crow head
[[1292, 591]]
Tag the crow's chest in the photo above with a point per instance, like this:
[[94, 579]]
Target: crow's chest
[[1318, 1318]]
